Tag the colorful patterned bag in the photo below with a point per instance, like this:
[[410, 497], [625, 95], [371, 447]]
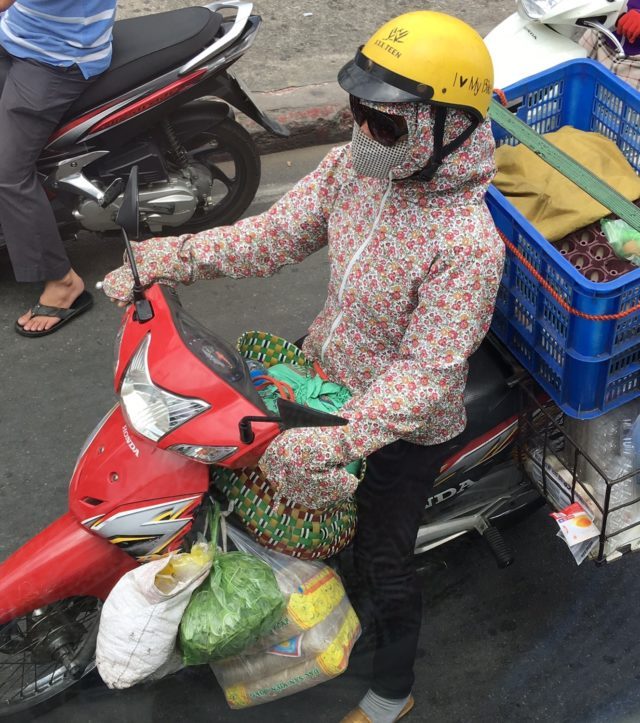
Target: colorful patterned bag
[[283, 526]]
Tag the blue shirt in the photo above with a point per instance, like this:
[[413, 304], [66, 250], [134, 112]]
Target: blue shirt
[[60, 32]]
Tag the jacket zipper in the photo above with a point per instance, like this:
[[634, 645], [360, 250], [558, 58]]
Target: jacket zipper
[[349, 268]]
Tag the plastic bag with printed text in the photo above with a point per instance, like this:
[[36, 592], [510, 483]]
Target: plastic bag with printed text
[[310, 644]]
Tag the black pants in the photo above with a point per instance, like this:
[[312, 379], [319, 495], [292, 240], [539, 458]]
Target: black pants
[[34, 98], [390, 500]]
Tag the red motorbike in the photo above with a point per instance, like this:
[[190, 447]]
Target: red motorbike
[[187, 401]]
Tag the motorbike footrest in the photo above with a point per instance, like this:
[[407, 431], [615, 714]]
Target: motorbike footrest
[[112, 192], [499, 546]]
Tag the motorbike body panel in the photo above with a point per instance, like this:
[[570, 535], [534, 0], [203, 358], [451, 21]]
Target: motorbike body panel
[[64, 560], [216, 382], [563, 14], [230, 89], [492, 404], [134, 494], [520, 47], [480, 481], [467, 475]]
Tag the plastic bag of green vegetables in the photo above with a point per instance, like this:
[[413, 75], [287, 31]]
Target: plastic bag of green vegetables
[[623, 239], [238, 602]]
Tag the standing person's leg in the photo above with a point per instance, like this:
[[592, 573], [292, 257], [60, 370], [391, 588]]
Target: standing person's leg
[[5, 65], [391, 498], [33, 100]]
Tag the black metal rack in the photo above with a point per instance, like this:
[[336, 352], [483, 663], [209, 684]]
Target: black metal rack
[[558, 466]]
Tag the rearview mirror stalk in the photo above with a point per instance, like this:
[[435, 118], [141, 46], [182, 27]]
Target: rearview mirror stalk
[[128, 219]]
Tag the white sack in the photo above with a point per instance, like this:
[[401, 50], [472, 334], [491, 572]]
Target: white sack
[[139, 625]]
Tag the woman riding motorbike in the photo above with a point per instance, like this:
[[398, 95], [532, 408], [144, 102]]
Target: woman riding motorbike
[[415, 265]]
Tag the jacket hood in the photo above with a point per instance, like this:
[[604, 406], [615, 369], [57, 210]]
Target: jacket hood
[[472, 164]]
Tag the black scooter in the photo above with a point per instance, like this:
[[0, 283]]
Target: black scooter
[[163, 105]]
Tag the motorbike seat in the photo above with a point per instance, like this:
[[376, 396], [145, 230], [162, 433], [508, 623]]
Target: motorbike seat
[[487, 379], [488, 398], [145, 47]]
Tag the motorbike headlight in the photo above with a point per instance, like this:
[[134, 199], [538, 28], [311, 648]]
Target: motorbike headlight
[[207, 455], [536, 9], [152, 411]]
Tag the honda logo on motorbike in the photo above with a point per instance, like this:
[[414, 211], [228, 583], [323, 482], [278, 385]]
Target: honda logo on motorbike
[[448, 493], [129, 441]]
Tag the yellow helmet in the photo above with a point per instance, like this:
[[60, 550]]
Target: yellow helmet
[[423, 56]]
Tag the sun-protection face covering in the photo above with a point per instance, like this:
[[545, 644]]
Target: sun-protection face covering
[[374, 160]]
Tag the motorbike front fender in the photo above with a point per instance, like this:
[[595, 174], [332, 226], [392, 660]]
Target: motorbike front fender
[[521, 47], [64, 560], [230, 89]]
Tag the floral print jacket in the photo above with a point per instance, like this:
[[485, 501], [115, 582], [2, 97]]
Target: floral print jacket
[[414, 270]]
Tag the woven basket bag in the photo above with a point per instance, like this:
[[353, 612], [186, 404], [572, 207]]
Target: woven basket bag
[[283, 526]]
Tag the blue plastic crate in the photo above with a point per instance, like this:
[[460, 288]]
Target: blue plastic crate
[[587, 367]]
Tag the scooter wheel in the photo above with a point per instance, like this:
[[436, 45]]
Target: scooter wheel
[[46, 651], [229, 153]]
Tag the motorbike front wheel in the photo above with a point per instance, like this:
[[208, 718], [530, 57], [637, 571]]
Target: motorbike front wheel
[[45, 651], [229, 154]]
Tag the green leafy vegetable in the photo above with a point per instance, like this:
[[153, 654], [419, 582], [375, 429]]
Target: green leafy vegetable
[[238, 602]]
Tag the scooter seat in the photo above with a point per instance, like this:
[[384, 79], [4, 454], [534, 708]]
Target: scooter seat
[[488, 398], [145, 47], [487, 379]]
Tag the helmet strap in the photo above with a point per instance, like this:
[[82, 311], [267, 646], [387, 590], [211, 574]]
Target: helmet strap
[[441, 151]]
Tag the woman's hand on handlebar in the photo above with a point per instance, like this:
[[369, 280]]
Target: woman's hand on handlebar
[[306, 467], [157, 260]]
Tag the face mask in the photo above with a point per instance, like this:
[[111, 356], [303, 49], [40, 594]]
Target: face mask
[[374, 160]]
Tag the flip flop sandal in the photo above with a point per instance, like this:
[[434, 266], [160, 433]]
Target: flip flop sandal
[[83, 303]]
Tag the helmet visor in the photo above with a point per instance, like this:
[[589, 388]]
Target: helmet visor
[[385, 128], [367, 80]]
